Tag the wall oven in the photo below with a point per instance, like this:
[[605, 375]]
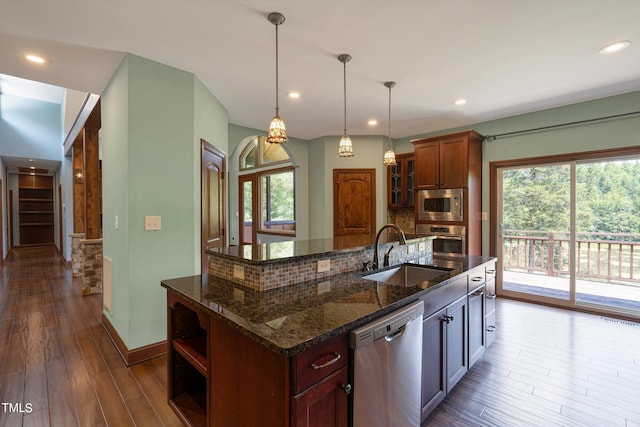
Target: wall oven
[[441, 205], [448, 239]]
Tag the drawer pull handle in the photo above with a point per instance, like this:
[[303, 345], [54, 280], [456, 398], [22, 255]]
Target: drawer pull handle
[[491, 296], [478, 293], [476, 279], [491, 328], [491, 271], [336, 357]]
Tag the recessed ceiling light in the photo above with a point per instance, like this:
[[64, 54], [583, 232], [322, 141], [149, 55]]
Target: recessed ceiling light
[[36, 59], [372, 122], [293, 95], [615, 47], [460, 101]]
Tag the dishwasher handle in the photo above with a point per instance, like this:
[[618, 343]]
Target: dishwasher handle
[[396, 334]]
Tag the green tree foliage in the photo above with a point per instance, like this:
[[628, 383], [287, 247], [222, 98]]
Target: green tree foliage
[[608, 197]]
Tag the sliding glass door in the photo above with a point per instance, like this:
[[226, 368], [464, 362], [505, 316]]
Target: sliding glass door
[[568, 233], [535, 224]]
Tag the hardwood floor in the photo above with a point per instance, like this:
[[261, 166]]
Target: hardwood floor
[[550, 367], [57, 364], [547, 366]]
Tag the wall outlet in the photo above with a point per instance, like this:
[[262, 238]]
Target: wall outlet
[[324, 265], [152, 223], [238, 272], [324, 287]]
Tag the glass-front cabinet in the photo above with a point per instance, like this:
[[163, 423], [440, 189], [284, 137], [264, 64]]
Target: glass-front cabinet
[[401, 182]]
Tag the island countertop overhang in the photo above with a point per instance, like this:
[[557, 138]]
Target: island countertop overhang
[[296, 317]]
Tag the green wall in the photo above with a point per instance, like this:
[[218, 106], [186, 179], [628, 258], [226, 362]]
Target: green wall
[[153, 119], [599, 135]]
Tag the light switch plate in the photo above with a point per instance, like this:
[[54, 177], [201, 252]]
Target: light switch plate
[[238, 272], [152, 223], [324, 265]]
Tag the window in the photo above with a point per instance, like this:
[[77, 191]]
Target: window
[[259, 152], [278, 209], [267, 191]]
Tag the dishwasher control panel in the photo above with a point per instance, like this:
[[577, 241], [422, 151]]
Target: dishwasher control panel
[[386, 325]]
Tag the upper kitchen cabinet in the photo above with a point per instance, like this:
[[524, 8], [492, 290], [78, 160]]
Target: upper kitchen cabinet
[[448, 161], [401, 182]]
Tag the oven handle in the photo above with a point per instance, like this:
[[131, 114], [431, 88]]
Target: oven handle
[[446, 237]]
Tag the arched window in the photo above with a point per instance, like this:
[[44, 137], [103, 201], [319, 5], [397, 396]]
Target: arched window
[[267, 191]]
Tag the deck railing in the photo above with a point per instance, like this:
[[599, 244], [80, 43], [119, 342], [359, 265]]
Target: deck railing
[[604, 257]]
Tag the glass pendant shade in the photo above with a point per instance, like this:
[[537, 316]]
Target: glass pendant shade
[[389, 158], [277, 131], [346, 148]]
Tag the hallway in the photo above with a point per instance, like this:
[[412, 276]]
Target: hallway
[[57, 364]]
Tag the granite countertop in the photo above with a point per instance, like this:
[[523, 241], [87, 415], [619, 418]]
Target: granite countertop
[[293, 318], [278, 251]]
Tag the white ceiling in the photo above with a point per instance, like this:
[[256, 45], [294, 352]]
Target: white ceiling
[[506, 57]]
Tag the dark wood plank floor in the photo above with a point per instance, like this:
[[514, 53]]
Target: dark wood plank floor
[[56, 360], [547, 367]]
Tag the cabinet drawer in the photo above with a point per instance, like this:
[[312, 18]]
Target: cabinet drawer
[[441, 297], [316, 363], [490, 289]]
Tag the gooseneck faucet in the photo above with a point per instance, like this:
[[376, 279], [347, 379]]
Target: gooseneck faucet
[[403, 241]]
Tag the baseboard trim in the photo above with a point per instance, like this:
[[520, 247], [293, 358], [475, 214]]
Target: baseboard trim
[[136, 355]]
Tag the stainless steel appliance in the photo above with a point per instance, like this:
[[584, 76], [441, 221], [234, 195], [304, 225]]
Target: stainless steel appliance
[[448, 239], [441, 205], [387, 369]]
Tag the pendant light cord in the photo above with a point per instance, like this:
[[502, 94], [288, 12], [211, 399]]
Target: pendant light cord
[[345, 96], [390, 117], [277, 108]]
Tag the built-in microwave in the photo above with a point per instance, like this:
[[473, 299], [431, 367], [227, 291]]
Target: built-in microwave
[[441, 205]]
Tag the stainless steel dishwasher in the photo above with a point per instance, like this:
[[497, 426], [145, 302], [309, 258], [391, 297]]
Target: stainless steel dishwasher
[[387, 369]]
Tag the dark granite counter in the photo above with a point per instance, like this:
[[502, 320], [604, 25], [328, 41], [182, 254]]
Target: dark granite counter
[[279, 251], [296, 317]]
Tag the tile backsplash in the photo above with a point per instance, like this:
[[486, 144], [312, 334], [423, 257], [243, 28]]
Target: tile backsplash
[[268, 275]]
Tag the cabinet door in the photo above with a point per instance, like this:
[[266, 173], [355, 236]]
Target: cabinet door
[[453, 163], [457, 344], [434, 382], [427, 158], [476, 324], [324, 404]]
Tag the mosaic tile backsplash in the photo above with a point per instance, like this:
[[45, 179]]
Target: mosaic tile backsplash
[[269, 275]]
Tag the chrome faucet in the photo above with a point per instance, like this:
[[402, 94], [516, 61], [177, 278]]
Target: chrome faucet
[[403, 241]]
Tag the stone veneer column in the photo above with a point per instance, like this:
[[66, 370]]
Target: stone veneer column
[[91, 266], [76, 254]]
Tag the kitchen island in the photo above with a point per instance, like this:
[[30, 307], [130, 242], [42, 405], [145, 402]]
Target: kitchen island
[[242, 356]]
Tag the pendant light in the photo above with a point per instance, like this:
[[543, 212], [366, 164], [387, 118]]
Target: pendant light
[[277, 130], [346, 148], [389, 155]]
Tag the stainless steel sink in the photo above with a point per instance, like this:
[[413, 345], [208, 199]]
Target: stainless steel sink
[[410, 275]]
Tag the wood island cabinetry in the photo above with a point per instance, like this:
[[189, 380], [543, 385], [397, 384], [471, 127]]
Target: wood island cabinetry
[[218, 376]]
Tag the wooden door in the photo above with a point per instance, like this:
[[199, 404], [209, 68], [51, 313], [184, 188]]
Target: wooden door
[[248, 215], [213, 200], [354, 201]]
